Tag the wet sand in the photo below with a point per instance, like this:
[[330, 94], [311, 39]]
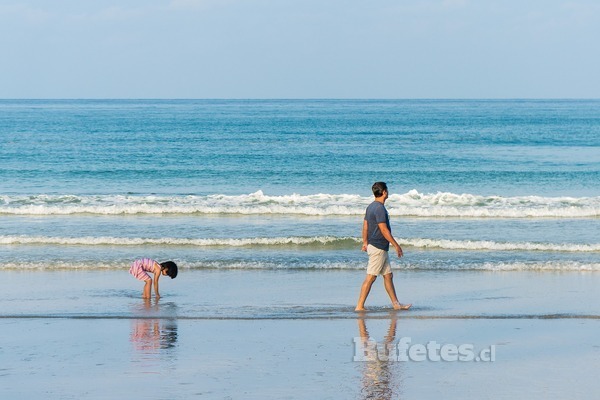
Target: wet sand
[[251, 335]]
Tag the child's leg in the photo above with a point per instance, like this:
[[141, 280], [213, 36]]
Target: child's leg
[[147, 289]]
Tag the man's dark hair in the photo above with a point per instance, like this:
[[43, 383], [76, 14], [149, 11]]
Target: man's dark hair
[[379, 188]]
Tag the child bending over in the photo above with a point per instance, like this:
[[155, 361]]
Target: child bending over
[[140, 268]]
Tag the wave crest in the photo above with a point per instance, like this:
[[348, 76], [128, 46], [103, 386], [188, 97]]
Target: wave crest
[[410, 204], [548, 266], [345, 242]]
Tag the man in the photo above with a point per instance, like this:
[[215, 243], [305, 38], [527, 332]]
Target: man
[[377, 236]]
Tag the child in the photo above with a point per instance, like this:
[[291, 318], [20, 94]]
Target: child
[[140, 268]]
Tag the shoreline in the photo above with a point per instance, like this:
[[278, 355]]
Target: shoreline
[[227, 334], [273, 294]]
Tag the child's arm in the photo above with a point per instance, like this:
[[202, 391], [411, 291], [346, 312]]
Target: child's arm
[[157, 273]]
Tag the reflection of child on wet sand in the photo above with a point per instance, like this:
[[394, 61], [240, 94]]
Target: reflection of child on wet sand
[[140, 269], [151, 335]]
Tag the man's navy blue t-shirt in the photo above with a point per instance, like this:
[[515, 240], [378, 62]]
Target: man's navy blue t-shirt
[[376, 214]]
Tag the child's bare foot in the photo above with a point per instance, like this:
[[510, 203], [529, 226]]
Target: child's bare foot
[[360, 309], [400, 306]]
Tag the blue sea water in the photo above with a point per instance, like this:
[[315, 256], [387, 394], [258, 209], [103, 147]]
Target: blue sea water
[[282, 184], [496, 204]]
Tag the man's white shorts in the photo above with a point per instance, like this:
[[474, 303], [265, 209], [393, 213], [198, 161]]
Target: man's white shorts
[[379, 261]]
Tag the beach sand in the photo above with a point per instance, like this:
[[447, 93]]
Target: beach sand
[[293, 335]]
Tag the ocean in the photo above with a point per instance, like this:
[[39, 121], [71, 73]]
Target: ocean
[[260, 203], [283, 184]]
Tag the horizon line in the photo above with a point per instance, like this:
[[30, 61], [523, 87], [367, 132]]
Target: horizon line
[[299, 98]]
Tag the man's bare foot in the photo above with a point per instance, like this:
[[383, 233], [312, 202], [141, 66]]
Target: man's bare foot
[[360, 309], [400, 306]]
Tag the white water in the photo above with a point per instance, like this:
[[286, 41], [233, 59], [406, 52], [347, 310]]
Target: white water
[[411, 203]]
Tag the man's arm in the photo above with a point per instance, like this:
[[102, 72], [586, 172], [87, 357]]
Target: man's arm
[[388, 236], [365, 235]]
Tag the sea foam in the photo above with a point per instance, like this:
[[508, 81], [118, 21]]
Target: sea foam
[[345, 242], [516, 266], [410, 204]]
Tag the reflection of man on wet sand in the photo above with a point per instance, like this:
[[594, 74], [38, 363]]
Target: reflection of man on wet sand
[[380, 377], [377, 236]]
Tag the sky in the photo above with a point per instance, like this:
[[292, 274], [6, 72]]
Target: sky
[[256, 49]]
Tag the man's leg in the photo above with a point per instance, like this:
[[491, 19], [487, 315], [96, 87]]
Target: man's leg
[[364, 292], [388, 282]]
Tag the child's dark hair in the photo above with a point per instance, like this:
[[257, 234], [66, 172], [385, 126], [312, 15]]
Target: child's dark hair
[[171, 268]]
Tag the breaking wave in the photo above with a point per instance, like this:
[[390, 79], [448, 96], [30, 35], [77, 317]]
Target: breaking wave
[[533, 266], [308, 242], [412, 203]]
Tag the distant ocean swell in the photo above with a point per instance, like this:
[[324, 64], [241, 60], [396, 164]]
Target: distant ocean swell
[[547, 266], [308, 242], [411, 203]]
